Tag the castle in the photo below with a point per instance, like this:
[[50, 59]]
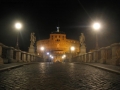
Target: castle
[[57, 45]]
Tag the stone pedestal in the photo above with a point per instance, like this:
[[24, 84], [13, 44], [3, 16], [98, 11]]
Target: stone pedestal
[[1, 59], [32, 50], [82, 49]]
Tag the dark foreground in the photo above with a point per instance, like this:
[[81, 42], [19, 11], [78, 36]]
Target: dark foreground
[[58, 76]]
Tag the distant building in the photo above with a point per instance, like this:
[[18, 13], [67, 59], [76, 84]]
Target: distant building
[[57, 45]]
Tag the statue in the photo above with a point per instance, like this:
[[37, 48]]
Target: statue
[[82, 44], [32, 39], [82, 39]]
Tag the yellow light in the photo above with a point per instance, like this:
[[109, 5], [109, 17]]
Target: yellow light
[[42, 48], [72, 48]]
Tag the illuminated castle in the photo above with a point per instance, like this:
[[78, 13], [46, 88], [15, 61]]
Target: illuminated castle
[[57, 45]]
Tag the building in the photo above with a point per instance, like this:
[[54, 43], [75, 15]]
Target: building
[[57, 47]]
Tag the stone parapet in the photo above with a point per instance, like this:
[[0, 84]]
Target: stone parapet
[[10, 55], [85, 57], [24, 59], [95, 56], [31, 57], [115, 54], [18, 55], [99, 55], [108, 54], [28, 57], [5, 54], [89, 56], [103, 55]]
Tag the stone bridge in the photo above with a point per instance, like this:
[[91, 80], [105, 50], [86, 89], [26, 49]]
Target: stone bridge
[[106, 55]]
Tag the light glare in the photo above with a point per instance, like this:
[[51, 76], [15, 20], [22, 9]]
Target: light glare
[[96, 26], [42, 48], [18, 26], [72, 48]]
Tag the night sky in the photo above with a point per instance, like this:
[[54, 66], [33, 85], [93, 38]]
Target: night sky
[[72, 16]]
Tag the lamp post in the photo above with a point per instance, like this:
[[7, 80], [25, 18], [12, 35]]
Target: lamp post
[[96, 27], [18, 26]]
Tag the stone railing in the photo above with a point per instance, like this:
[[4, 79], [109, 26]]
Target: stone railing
[[12, 55], [106, 55]]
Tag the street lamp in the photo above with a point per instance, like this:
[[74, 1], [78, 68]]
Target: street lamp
[[96, 27], [18, 26]]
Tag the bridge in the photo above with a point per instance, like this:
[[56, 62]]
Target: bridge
[[96, 70]]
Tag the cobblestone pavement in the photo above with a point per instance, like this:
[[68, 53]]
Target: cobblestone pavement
[[58, 76]]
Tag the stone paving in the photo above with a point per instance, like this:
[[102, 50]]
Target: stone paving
[[58, 76]]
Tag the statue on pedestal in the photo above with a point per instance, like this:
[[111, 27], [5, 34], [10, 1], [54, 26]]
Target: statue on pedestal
[[82, 39], [82, 44], [32, 39]]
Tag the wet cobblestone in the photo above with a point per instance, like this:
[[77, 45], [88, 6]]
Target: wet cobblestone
[[58, 76]]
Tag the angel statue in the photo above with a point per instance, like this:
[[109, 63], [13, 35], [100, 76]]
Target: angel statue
[[32, 39], [82, 39]]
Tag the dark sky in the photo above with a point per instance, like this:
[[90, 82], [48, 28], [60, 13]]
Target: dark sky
[[73, 16]]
